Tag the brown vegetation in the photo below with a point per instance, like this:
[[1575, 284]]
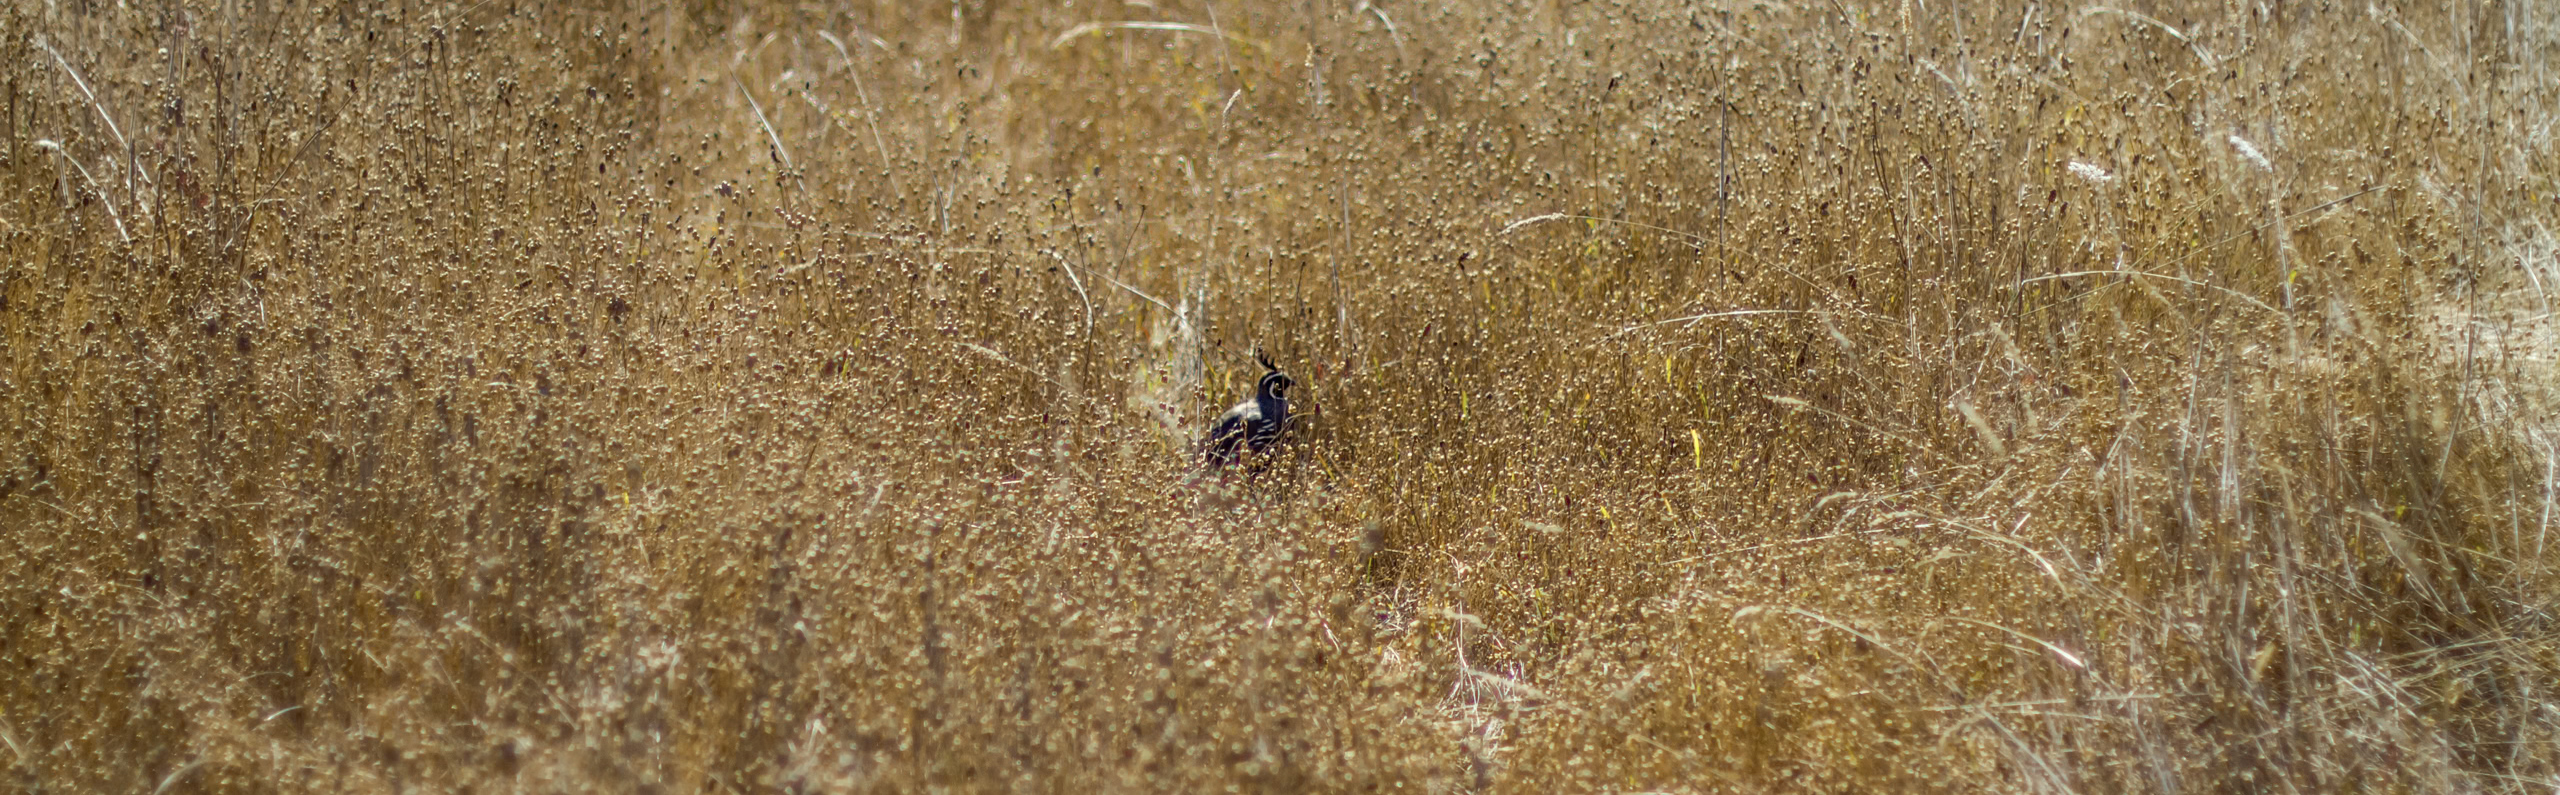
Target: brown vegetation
[[1865, 397]]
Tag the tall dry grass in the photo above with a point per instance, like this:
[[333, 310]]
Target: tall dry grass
[[1736, 397]]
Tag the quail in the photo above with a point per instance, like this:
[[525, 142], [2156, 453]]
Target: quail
[[1253, 424]]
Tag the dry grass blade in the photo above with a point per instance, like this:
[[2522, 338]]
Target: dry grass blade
[[2202, 56], [779, 152], [133, 164], [105, 201], [1090, 28]]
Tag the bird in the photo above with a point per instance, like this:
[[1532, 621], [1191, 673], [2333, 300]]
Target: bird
[[1253, 424]]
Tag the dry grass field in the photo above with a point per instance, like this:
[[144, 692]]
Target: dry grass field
[[1739, 397]]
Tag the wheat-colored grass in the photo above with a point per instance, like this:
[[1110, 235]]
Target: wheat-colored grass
[[1734, 397]]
